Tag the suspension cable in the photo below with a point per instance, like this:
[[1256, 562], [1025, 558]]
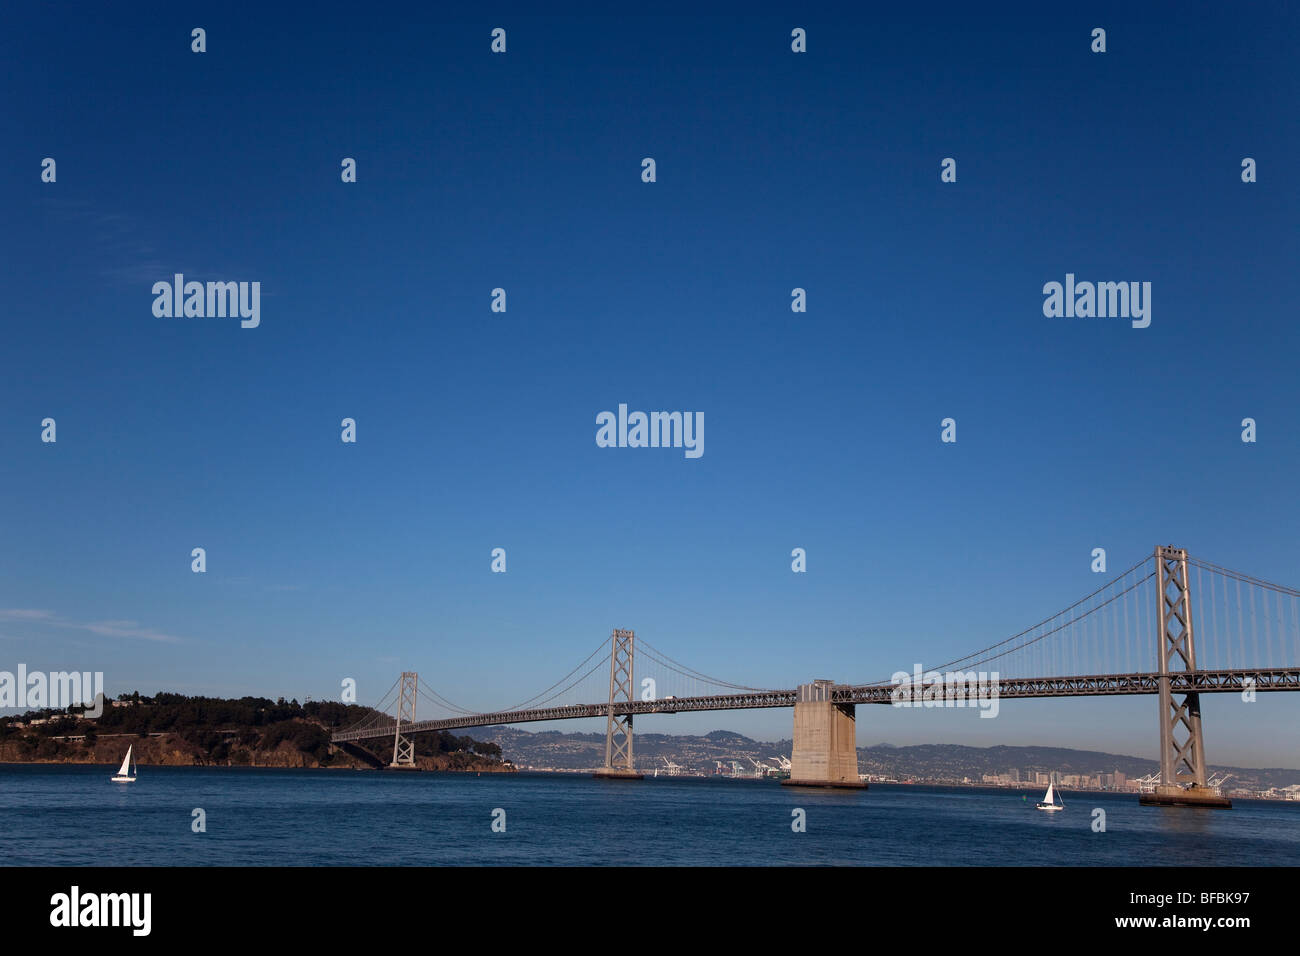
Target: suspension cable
[[376, 711], [1248, 579], [963, 661], [661, 658]]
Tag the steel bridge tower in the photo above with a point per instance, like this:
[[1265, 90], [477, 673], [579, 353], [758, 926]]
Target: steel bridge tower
[[1182, 748], [618, 727], [403, 746]]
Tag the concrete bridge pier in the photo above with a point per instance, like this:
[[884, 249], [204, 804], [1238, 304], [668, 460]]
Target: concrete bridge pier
[[825, 740]]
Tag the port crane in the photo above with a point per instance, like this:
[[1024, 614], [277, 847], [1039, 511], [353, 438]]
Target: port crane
[[1216, 783]]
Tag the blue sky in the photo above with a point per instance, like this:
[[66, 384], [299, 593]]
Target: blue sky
[[476, 429]]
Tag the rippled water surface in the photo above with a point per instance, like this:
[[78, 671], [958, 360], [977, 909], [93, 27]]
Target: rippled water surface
[[61, 815]]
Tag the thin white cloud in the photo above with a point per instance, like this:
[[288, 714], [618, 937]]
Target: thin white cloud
[[102, 628], [127, 629]]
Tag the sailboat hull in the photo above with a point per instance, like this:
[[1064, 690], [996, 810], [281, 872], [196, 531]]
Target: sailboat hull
[[1048, 803], [123, 780]]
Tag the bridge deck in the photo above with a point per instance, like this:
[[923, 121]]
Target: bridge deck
[[1098, 685]]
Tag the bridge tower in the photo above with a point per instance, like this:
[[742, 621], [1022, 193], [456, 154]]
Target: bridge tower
[[1182, 748], [618, 727], [403, 746]]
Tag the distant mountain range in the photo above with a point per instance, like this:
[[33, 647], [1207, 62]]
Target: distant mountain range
[[934, 762]]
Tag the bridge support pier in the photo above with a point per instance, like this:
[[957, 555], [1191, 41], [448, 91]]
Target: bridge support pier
[[1182, 762], [825, 740], [618, 727]]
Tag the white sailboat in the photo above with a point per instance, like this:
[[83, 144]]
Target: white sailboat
[[126, 774], [1048, 803]]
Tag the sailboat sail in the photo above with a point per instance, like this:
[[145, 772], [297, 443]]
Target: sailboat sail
[[126, 773], [1049, 801]]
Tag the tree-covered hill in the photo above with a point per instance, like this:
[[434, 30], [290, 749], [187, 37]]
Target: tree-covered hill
[[248, 731]]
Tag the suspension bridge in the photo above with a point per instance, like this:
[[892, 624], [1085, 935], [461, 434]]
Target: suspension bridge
[[1133, 635]]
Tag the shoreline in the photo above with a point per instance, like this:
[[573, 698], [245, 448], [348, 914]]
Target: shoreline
[[500, 768]]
